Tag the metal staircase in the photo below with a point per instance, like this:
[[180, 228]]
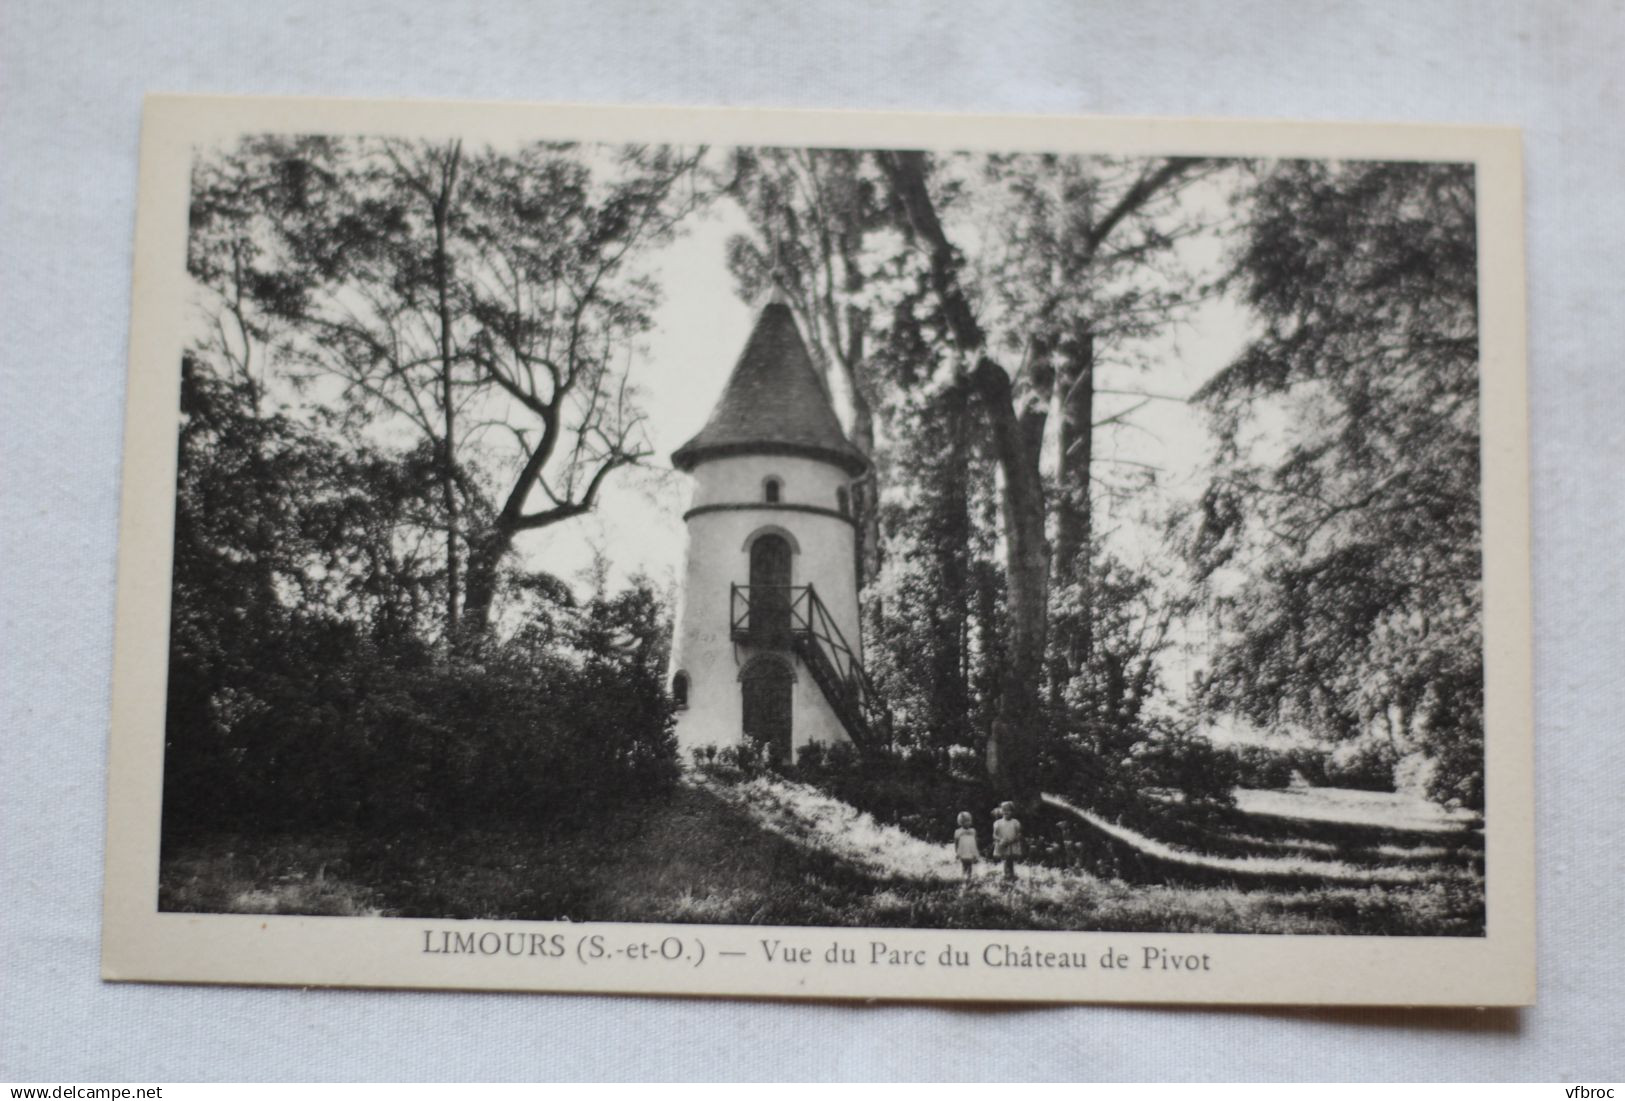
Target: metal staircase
[[792, 617]]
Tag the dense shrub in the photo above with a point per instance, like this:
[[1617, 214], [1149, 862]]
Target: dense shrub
[[1260, 766], [1129, 774], [306, 687], [745, 760], [1309, 765], [1077, 768], [841, 757], [1367, 765], [748, 760], [810, 758], [373, 743], [1181, 760], [1370, 764]]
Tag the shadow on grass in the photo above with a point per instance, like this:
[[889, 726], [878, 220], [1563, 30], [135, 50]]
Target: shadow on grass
[[1367, 879], [699, 858]]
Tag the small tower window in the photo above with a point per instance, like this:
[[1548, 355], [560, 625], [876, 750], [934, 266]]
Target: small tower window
[[679, 690], [843, 501], [770, 491]]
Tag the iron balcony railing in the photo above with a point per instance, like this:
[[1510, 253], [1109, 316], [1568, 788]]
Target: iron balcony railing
[[792, 616]]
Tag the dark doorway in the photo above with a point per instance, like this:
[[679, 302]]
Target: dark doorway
[[770, 591], [767, 685]]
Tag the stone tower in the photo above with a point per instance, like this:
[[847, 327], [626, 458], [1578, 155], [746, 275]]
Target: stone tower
[[766, 648]]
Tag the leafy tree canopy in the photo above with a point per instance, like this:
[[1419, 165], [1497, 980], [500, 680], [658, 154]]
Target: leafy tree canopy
[[1340, 532]]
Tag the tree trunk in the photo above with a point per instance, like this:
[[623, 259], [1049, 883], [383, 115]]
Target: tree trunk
[[1012, 751], [866, 493], [489, 547], [484, 565], [1017, 442], [953, 523], [1074, 393], [1075, 403], [447, 460]]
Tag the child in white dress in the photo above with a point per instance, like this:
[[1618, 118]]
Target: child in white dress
[[1007, 840], [965, 844]]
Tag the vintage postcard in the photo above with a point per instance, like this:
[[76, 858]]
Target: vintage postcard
[[824, 555]]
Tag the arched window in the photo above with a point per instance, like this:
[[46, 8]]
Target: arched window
[[771, 488], [843, 501], [770, 595], [771, 529], [679, 689]]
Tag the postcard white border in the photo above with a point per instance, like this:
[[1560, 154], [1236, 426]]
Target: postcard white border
[[141, 944]]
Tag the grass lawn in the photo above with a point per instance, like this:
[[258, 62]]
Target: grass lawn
[[773, 852]]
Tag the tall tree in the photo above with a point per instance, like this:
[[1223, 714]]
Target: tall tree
[[922, 608], [243, 289], [560, 303], [1088, 272], [285, 564], [1356, 607], [1058, 347], [486, 306], [814, 212], [1016, 431]]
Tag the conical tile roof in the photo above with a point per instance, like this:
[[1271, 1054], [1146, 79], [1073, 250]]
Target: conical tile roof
[[773, 404]]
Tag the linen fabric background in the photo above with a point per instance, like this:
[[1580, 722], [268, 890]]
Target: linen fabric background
[[71, 80]]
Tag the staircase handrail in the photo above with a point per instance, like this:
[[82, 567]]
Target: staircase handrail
[[811, 623], [739, 602], [851, 670]]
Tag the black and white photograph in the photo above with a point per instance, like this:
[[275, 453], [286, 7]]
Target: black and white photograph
[[715, 541], [869, 536]]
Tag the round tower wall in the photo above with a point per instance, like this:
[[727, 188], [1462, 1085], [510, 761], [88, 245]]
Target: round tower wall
[[741, 479], [728, 511]]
